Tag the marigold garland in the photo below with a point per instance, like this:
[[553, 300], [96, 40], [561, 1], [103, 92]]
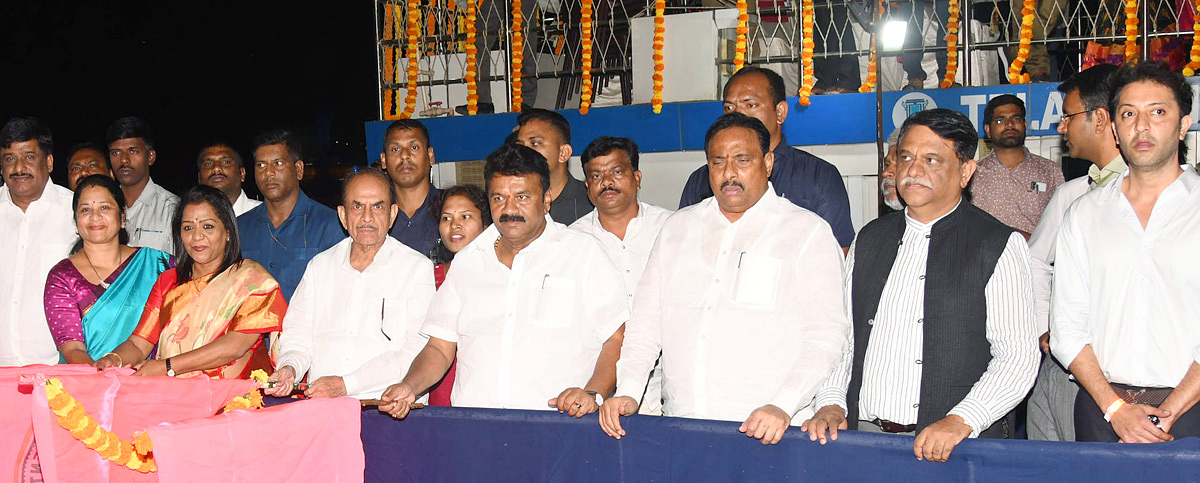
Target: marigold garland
[[472, 75], [1131, 30], [518, 54], [414, 61], [951, 45], [137, 455], [739, 48], [660, 9], [585, 63], [1194, 62], [873, 64], [252, 399], [806, 52], [1014, 71]]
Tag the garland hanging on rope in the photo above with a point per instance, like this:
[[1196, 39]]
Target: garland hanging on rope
[[585, 55], [951, 45], [472, 75], [1014, 71], [660, 8], [1131, 31], [743, 29], [518, 54], [806, 52], [414, 60]]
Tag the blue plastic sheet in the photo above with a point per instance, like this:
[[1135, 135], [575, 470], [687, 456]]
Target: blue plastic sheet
[[465, 444]]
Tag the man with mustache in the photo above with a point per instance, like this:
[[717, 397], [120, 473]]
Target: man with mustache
[[352, 323], [1012, 184], [944, 343], [1086, 128], [150, 206], [625, 226], [534, 312], [743, 297], [1123, 310], [85, 160], [221, 167], [806, 180], [37, 229], [408, 158], [289, 228], [549, 133], [887, 179]]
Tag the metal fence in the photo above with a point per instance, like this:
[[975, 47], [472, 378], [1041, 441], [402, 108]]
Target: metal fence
[[1073, 33]]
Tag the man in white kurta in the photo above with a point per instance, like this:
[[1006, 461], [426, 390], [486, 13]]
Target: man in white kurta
[[37, 230], [534, 311], [742, 297], [355, 330]]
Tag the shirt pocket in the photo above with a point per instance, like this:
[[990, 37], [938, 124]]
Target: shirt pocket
[[758, 279], [393, 313], [556, 303]]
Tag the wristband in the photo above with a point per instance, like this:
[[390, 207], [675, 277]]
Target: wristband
[[1112, 409]]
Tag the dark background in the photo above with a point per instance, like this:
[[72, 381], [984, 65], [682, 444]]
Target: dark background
[[196, 71]]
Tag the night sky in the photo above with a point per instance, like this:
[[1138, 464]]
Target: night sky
[[196, 71]]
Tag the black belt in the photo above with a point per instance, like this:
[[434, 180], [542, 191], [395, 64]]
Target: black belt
[[890, 427]]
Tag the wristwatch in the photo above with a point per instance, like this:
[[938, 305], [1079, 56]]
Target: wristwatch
[[170, 370], [599, 398]]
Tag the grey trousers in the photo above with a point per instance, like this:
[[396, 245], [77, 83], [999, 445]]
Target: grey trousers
[[1051, 414]]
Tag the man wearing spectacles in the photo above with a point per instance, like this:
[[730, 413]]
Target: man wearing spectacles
[[1012, 184]]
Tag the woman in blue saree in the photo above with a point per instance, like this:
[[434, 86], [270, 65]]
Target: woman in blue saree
[[95, 297]]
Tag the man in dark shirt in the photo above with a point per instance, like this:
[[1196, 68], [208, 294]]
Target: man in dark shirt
[[289, 228], [806, 180], [548, 133], [407, 158]]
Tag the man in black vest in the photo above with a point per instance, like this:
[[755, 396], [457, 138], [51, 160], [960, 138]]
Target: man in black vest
[[941, 302]]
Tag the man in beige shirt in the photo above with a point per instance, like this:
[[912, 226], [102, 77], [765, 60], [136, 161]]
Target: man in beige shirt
[[1012, 184]]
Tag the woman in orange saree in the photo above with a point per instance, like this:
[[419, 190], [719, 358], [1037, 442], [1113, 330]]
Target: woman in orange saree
[[211, 314]]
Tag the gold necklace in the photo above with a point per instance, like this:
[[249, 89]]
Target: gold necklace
[[89, 260]]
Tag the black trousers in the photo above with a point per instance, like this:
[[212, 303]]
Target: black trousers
[[1091, 426]]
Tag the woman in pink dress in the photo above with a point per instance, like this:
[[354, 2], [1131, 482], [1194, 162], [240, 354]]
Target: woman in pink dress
[[463, 214]]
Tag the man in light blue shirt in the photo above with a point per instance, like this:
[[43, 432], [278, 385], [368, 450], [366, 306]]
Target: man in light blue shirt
[[286, 231]]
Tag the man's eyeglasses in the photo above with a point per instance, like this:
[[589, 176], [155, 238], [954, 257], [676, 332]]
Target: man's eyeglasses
[[1067, 117], [1000, 121]]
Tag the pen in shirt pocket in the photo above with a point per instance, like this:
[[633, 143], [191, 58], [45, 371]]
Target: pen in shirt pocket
[[382, 318]]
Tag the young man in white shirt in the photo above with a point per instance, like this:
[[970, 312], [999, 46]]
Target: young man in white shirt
[[150, 207], [1086, 128], [1123, 312], [940, 297], [37, 229], [535, 312], [741, 295], [220, 166], [625, 226], [354, 319]]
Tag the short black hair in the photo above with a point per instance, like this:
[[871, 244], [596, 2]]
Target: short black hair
[[219, 143], [1094, 85], [280, 136], [949, 125], [605, 145], [87, 145], [472, 193], [736, 119], [778, 91], [220, 204], [1001, 100], [21, 129], [516, 160], [555, 119], [407, 125], [1156, 72], [372, 172], [130, 127], [114, 190]]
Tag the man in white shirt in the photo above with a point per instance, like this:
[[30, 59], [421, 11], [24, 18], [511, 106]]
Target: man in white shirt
[[353, 322], [220, 166], [150, 206], [1123, 311], [625, 226], [941, 301], [741, 295], [535, 312], [37, 229], [1086, 128]]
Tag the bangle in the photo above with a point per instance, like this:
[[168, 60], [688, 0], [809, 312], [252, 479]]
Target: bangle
[[120, 362], [1112, 409]]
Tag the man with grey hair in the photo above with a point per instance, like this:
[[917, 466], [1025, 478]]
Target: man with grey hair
[[887, 179]]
